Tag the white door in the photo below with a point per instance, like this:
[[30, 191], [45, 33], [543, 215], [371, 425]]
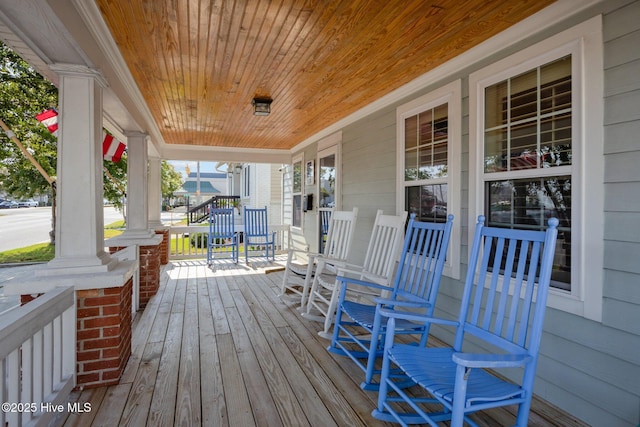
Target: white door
[[328, 185]]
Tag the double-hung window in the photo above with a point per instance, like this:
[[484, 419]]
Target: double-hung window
[[534, 154], [429, 141]]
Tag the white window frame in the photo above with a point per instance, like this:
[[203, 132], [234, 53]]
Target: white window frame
[[246, 181], [584, 43], [297, 159], [450, 94]]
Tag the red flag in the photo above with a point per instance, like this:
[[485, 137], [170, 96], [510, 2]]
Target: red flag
[[49, 118], [112, 149]]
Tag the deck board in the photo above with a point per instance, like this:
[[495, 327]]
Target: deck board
[[219, 348]]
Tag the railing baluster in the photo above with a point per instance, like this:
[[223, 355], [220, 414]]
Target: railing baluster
[[47, 366], [38, 361], [13, 385], [180, 240], [27, 376]]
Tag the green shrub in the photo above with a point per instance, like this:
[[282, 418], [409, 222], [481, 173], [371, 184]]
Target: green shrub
[[198, 240]]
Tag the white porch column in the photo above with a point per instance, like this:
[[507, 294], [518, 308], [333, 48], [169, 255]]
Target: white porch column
[[155, 192], [137, 187], [80, 211], [138, 232]]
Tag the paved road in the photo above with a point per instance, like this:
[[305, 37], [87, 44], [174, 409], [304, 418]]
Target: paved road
[[28, 226]]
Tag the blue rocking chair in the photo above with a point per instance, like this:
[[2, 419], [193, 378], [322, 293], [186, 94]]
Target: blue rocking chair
[[222, 234], [256, 232], [508, 271], [359, 330]]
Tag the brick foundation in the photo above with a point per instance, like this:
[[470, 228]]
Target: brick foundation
[[103, 335], [149, 271], [164, 246]]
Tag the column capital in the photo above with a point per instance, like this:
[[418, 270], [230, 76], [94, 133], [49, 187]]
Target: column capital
[[135, 134], [75, 70]]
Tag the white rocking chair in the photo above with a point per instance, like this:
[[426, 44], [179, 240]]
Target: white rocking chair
[[379, 264], [296, 281]]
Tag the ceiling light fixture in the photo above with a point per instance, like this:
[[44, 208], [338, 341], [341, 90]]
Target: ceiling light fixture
[[261, 106]]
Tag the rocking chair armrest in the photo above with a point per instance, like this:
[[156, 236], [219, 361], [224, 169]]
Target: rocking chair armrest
[[347, 271], [298, 251], [472, 360], [346, 268], [394, 302], [389, 312], [336, 263], [312, 255], [346, 280]]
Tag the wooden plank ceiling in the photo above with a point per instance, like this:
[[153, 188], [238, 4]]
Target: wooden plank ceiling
[[199, 63]]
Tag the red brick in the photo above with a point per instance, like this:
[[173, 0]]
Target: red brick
[[86, 334], [108, 353], [88, 293], [100, 343], [112, 291], [114, 309], [88, 312], [102, 300], [82, 356], [100, 365], [88, 378], [112, 331], [99, 322]]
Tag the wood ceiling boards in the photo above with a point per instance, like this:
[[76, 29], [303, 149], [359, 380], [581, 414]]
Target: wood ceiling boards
[[199, 63]]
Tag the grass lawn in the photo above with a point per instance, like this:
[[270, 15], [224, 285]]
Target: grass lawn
[[44, 252]]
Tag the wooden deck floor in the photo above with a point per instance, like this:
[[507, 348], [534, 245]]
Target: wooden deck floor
[[221, 349]]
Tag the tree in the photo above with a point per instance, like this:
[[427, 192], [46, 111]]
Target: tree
[[115, 182], [171, 179], [23, 94], [116, 175]]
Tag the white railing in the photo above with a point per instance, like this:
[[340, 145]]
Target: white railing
[[187, 242], [37, 358]]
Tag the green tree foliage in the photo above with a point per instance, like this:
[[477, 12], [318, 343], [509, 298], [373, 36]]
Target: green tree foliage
[[23, 94], [115, 181], [171, 179]]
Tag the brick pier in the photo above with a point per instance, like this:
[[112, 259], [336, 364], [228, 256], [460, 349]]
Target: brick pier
[[103, 334]]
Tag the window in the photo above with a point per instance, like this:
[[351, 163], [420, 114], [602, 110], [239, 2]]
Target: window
[[530, 161], [527, 131], [246, 181], [297, 193], [429, 160]]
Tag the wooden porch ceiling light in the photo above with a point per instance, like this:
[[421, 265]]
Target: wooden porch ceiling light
[[261, 106]]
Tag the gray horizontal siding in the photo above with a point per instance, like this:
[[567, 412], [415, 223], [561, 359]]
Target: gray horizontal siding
[[609, 351], [621, 137], [591, 369], [622, 108], [618, 287]]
